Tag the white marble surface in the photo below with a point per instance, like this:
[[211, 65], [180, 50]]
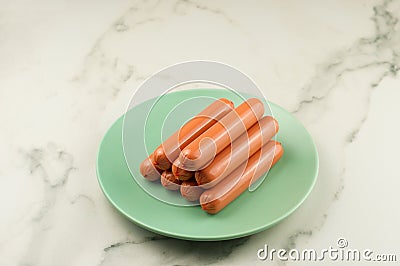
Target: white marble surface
[[68, 68]]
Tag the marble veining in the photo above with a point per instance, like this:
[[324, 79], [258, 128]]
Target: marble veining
[[181, 7], [367, 52], [373, 52], [52, 164], [83, 197], [329, 64], [208, 252], [131, 242]]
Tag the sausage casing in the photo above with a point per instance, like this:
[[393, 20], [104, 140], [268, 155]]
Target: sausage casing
[[215, 199], [148, 170], [169, 150], [238, 152], [203, 149], [169, 181], [190, 190], [180, 173]]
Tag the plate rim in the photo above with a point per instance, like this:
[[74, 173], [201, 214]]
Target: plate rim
[[217, 237]]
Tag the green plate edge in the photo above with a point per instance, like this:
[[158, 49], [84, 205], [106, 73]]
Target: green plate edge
[[199, 237]]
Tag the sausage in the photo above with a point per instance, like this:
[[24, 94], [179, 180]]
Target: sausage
[[180, 173], [169, 150], [169, 181], [190, 190], [148, 170], [218, 197], [162, 162], [203, 149], [240, 150]]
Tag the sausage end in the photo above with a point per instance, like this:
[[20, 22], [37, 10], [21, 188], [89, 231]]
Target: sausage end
[[181, 174], [169, 181], [257, 107], [190, 191], [276, 124], [148, 170], [227, 102]]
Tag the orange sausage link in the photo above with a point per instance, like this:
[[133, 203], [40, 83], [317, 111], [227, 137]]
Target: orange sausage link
[[204, 148], [169, 150], [218, 197], [180, 173], [162, 162], [148, 170], [190, 190], [169, 181], [238, 152]]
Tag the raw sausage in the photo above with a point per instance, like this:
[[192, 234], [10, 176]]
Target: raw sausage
[[204, 148], [148, 170], [240, 150], [169, 150], [190, 190], [169, 181], [180, 173], [216, 198]]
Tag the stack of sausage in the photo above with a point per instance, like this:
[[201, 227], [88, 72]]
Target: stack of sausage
[[217, 154]]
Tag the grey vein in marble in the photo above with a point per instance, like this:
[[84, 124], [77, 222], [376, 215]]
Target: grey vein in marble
[[171, 249], [181, 8], [346, 62], [121, 26], [54, 166], [41, 159], [178, 9], [385, 29], [293, 238], [132, 242], [83, 197], [107, 74]]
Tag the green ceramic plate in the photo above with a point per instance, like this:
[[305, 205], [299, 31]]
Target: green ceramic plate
[[285, 188]]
